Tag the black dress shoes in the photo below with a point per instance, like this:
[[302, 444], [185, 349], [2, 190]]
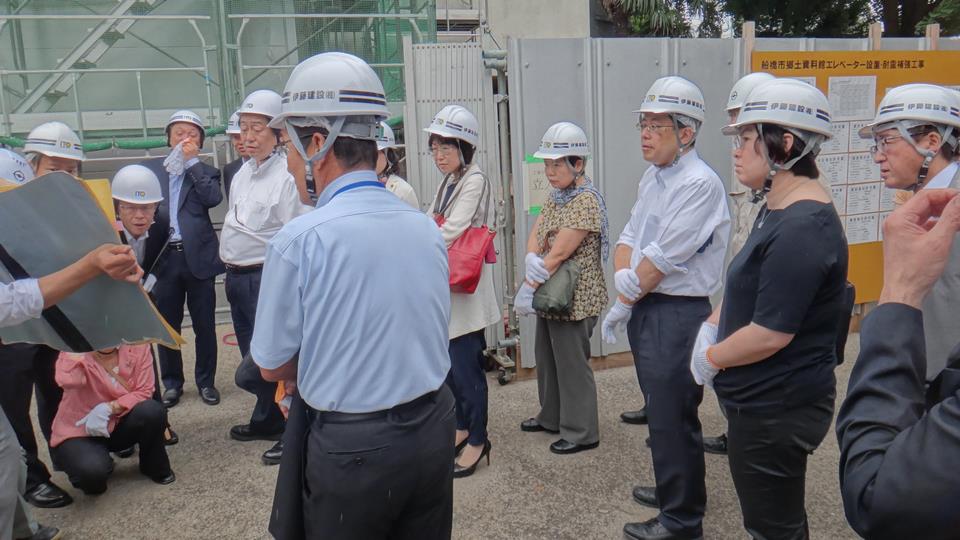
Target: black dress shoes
[[171, 396], [715, 445], [273, 455], [170, 437], [635, 417], [646, 496], [651, 529], [210, 395], [531, 425], [165, 479], [126, 452], [244, 432], [44, 533], [563, 446], [48, 495]]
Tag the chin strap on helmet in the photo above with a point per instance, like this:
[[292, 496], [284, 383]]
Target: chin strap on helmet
[[333, 133], [811, 144]]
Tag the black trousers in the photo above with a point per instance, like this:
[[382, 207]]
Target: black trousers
[[662, 330], [87, 461], [242, 290], [468, 382], [177, 284], [768, 461], [385, 477], [24, 368]]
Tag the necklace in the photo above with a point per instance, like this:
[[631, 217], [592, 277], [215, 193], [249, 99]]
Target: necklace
[[765, 211]]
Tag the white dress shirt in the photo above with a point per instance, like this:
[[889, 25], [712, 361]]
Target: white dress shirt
[[943, 178], [139, 245], [263, 198], [20, 300], [681, 223]]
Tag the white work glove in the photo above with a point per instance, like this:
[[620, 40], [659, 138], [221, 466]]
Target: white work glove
[[523, 302], [96, 421], [174, 163], [701, 368], [617, 318], [536, 270], [627, 283]]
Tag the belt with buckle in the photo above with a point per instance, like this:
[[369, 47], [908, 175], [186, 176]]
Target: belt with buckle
[[175, 246], [234, 269]]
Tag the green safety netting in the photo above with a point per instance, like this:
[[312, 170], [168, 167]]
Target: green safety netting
[[143, 143]]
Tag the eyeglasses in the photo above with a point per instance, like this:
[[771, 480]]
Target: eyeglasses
[[883, 143], [648, 127], [442, 149], [147, 209]]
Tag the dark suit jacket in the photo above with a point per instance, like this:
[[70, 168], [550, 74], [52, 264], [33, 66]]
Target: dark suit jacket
[[900, 456], [199, 193], [229, 170]]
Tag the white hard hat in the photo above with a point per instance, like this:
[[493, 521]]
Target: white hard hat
[[917, 103], [563, 139], [788, 103], [385, 137], [14, 168], [331, 85], [189, 117], [233, 126], [262, 102], [136, 184], [456, 122], [335, 91], [674, 95], [54, 139], [742, 88]]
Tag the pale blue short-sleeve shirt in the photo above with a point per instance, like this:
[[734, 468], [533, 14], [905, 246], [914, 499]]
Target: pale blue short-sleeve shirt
[[359, 286]]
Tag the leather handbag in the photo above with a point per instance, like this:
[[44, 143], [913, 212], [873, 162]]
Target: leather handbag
[[468, 253], [555, 296]]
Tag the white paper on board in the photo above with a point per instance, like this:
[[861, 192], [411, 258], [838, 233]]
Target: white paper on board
[[861, 168], [833, 168], [862, 228], [887, 199], [853, 98], [840, 140], [882, 217], [856, 143], [812, 81], [863, 198], [839, 195]]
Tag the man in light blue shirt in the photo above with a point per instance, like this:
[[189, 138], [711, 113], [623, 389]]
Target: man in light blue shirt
[[353, 311]]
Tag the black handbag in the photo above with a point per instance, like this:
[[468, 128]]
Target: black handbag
[[555, 296]]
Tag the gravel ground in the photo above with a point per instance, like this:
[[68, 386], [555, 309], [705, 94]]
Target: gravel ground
[[222, 490]]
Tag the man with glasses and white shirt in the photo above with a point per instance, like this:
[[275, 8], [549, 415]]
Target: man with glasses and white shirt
[[263, 198], [916, 132]]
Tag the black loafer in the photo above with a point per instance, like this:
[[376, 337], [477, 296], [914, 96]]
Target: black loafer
[[126, 452], [651, 529], [165, 479], [210, 395], [273, 455], [531, 425], [244, 432], [170, 437], [634, 417], [44, 533], [171, 396], [48, 495], [563, 446], [715, 445], [646, 496]]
